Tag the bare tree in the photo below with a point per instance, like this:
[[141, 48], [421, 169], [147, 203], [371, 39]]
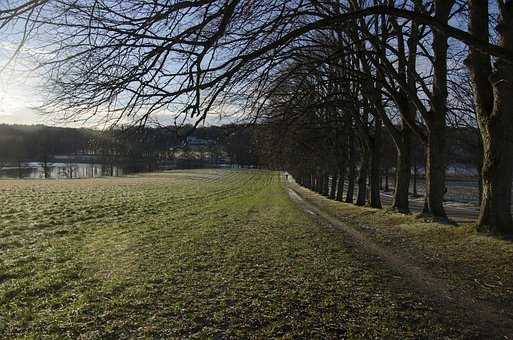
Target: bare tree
[[493, 93]]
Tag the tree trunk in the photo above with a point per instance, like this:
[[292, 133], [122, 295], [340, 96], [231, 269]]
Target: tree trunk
[[479, 167], [333, 188], [362, 180], [19, 169], [375, 167], [495, 214], [46, 168], [415, 175], [326, 185], [352, 171], [402, 175], [436, 145], [480, 183], [425, 209], [494, 107], [387, 186], [340, 184], [402, 140], [435, 176], [350, 184], [319, 186]]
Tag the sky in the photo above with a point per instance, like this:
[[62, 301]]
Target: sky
[[21, 91], [19, 96], [20, 99]]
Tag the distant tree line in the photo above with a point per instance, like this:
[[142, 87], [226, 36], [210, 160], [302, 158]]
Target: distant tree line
[[136, 149]]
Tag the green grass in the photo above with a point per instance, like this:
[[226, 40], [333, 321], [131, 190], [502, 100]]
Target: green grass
[[189, 254], [479, 263]]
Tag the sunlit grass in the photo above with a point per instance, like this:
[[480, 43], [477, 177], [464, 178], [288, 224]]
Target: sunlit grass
[[480, 263], [198, 253]]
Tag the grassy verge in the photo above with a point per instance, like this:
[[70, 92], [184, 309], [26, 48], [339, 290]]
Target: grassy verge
[[189, 254], [480, 264]]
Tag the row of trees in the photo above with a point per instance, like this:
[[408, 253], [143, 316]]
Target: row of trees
[[353, 69]]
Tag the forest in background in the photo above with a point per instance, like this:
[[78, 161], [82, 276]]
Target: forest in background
[[137, 149], [254, 145]]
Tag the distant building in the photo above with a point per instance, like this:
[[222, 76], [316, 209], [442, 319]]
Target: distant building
[[194, 143], [198, 142]]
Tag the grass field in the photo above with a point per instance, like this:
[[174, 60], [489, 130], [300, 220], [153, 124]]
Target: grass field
[[202, 253]]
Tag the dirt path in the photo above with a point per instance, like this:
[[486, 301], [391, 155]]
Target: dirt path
[[439, 291]]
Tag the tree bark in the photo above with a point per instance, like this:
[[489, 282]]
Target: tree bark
[[436, 143], [479, 166], [425, 209], [495, 214], [375, 167], [326, 185], [19, 169], [351, 180], [320, 181], [340, 184], [402, 139], [361, 199], [402, 175], [333, 188], [415, 175], [494, 107], [435, 171]]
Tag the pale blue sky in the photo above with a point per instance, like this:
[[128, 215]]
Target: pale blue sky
[[20, 98], [18, 93]]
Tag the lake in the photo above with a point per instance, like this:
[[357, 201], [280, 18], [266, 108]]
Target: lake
[[60, 170]]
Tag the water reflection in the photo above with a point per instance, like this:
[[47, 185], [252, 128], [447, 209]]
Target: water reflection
[[60, 170]]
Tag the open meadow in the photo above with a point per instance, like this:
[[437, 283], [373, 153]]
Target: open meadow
[[203, 253]]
